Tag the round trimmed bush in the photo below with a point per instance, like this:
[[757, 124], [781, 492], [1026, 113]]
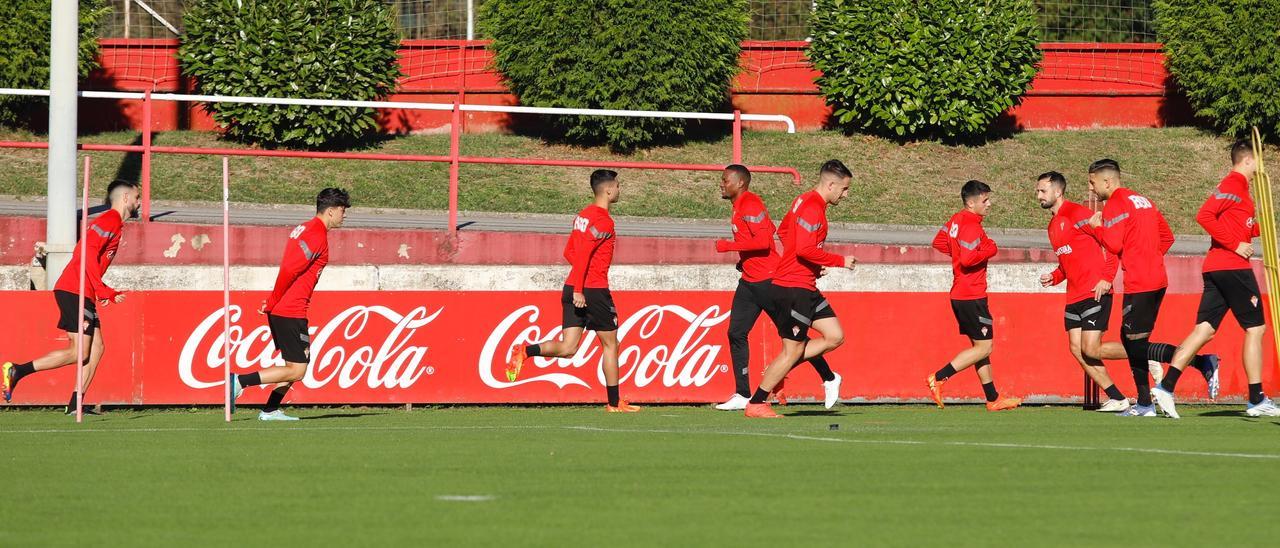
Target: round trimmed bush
[[1225, 55], [674, 55], [313, 49], [24, 48], [923, 68]]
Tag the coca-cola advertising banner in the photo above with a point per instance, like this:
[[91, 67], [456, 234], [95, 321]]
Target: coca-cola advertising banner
[[166, 347]]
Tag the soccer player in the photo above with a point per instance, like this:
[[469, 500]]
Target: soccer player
[[585, 300], [799, 304], [1132, 228], [305, 255], [1228, 216], [103, 239], [964, 240], [757, 257]]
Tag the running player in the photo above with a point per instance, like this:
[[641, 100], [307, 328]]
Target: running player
[[964, 240], [305, 255], [1228, 216], [757, 257], [102, 241], [585, 300], [799, 304]]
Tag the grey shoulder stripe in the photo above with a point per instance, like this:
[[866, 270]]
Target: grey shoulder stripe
[[102, 232], [754, 219], [1112, 221], [970, 245], [1081, 223], [807, 226], [599, 235], [307, 250], [1228, 196]]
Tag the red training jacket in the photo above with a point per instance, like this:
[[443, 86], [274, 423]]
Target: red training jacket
[[1228, 217], [102, 241], [590, 249], [752, 238], [1081, 260], [803, 232], [305, 256], [964, 240], [1134, 229]]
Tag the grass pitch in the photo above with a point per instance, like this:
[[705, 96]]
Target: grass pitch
[[674, 476]]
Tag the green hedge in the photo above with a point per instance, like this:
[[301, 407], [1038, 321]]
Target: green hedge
[[1225, 54], [24, 48], [923, 68], [315, 49], [676, 55]]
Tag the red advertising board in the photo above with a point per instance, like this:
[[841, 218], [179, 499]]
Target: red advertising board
[[165, 347]]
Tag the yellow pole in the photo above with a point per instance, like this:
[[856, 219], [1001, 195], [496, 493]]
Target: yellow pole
[[1265, 215]]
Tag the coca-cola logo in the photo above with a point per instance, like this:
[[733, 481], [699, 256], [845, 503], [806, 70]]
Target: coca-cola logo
[[392, 363], [642, 359]]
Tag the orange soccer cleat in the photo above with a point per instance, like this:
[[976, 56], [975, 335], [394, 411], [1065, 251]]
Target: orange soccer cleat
[[1003, 404], [761, 411], [935, 390], [778, 393], [623, 407], [517, 361]]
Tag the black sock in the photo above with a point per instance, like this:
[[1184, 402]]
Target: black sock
[[760, 396], [1170, 379], [71, 404], [1161, 352], [945, 373], [533, 350], [22, 370], [1137, 350], [1255, 393], [823, 368], [250, 379], [1113, 392], [989, 389], [614, 398], [273, 401]]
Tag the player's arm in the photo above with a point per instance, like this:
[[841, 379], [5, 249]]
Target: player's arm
[[597, 233], [1053, 278], [1111, 229], [940, 241], [97, 245], [975, 246], [1166, 234], [1210, 218], [298, 256], [752, 235], [808, 224]]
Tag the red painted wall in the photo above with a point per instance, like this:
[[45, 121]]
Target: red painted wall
[[1079, 85]]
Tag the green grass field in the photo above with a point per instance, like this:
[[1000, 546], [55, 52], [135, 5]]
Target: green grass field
[[669, 476], [913, 184]]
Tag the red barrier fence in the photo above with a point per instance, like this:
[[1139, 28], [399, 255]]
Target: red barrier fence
[[166, 347]]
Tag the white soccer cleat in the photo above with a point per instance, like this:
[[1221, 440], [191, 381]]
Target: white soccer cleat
[[737, 403], [1264, 408], [1164, 400], [1139, 411], [831, 391], [276, 415], [1115, 406], [1157, 371]]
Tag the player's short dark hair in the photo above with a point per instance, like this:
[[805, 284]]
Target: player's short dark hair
[[332, 197], [1056, 179], [600, 177], [1240, 150], [740, 171], [119, 183], [837, 168], [1105, 164], [973, 189]]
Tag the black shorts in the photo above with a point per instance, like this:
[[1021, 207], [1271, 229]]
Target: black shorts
[[69, 313], [974, 319], [795, 310], [291, 337], [1140, 311], [1088, 314], [1233, 289], [599, 315]]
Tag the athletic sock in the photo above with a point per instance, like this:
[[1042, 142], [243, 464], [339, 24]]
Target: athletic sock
[[251, 379], [1161, 352], [760, 396], [823, 368], [1113, 392], [1255, 393], [989, 389], [71, 404], [273, 401], [1137, 352], [1170, 379], [22, 370], [614, 398], [533, 350], [945, 373]]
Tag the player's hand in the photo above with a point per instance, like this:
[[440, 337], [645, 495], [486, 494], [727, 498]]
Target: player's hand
[[1101, 289], [822, 272], [104, 302], [262, 308], [1096, 220], [119, 297], [579, 300], [1245, 249], [849, 261], [722, 246], [1046, 280]]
